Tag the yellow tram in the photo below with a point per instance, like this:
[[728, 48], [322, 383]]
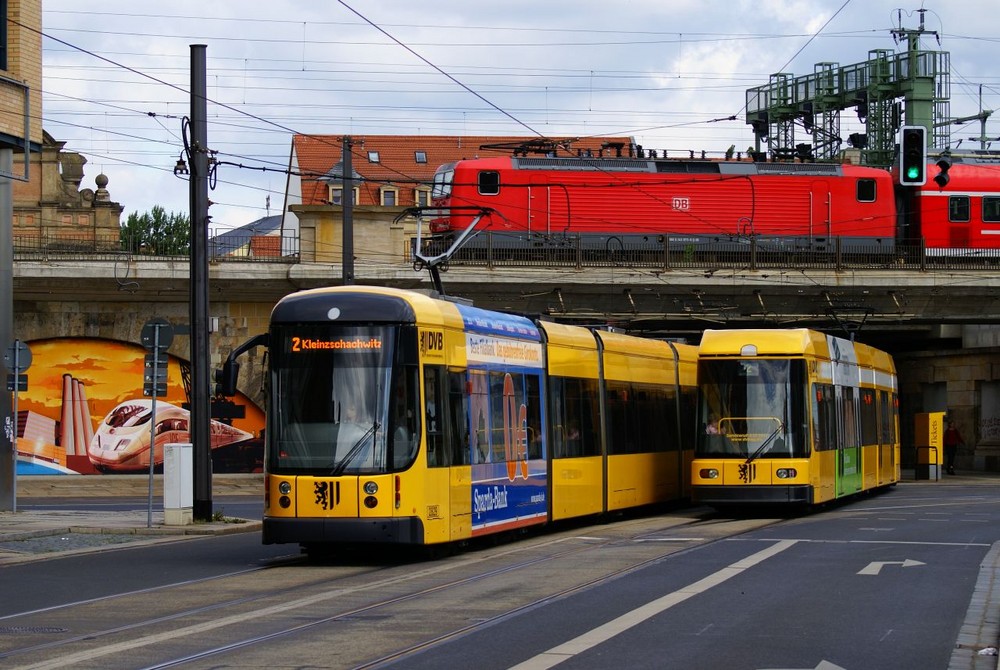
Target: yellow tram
[[793, 416], [397, 417]]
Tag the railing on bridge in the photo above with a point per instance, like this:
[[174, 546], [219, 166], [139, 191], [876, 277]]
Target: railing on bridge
[[224, 246], [492, 250], [497, 250]]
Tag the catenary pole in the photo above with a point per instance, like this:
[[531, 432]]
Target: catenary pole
[[8, 423], [200, 400]]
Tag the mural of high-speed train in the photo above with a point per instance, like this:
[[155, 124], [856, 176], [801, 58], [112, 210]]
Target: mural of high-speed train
[[122, 440]]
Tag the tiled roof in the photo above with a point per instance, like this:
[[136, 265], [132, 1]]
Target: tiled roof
[[397, 160]]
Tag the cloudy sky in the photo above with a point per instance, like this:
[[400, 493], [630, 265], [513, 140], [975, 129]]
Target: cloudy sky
[[117, 76]]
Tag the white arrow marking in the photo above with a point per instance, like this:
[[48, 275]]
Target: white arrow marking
[[824, 665], [874, 567]]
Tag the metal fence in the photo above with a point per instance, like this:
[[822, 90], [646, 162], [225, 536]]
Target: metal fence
[[497, 250], [749, 253], [224, 246]]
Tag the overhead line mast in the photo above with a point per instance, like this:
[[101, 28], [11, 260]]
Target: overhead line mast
[[788, 109]]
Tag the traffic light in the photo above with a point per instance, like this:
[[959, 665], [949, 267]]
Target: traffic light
[[943, 164], [913, 155]]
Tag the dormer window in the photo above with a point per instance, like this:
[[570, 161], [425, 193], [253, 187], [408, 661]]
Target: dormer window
[[389, 196]]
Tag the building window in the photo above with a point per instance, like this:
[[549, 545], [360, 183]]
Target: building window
[[67, 219], [422, 196], [337, 195], [420, 156], [373, 157], [389, 196]]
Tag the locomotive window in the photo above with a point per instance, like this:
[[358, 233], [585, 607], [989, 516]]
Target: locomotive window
[[958, 209], [991, 209], [489, 182], [866, 190]]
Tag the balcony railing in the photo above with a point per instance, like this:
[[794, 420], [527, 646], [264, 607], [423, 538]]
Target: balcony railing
[[224, 246]]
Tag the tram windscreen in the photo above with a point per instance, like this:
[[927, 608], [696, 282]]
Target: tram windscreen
[[341, 400], [753, 408]]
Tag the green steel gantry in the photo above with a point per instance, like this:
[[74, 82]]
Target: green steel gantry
[[812, 104]]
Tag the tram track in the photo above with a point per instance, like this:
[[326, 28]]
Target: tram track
[[336, 601]]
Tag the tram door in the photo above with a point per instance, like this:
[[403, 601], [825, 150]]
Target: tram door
[[849, 474]]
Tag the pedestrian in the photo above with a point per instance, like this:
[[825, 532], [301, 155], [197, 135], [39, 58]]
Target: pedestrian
[[952, 441]]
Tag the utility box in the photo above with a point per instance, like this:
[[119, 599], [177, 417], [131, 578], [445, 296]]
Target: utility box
[[178, 484], [928, 436]]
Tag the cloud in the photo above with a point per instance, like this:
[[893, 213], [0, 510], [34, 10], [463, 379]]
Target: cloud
[[660, 71]]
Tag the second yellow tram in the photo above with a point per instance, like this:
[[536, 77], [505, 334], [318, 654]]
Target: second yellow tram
[[793, 416]]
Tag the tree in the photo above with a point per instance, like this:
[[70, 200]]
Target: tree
[[157, 232]]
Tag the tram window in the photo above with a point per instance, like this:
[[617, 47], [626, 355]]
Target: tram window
[[437, 455], [534, 420], [479, 416], [824, 417], [489, 182], [499, 455], [622, 429], [991, 209], [574, 417], [866, 190], [869, 417], [958, 209], [849, 405], [405, 428], [457, 420]]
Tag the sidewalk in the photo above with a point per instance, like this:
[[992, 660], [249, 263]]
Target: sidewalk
[[30, 534]]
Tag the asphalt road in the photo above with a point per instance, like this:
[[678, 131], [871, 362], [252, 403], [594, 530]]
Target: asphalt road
[[882, 582]]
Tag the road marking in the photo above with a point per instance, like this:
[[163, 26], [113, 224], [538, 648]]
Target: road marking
[[906, 542], [825, 665], [875, 567], [592, 638]]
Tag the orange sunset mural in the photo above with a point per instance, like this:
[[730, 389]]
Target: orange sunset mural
[[85, 413]]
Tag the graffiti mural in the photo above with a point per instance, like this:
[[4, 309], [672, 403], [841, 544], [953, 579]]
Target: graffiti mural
[[85, 413]]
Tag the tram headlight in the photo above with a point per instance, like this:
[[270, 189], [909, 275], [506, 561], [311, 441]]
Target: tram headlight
[[708, 473], [284, 488], [371, 502], [371, 488], [284, 502], [785, 473]]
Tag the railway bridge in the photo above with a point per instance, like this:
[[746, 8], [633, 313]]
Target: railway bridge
[[939, 317]]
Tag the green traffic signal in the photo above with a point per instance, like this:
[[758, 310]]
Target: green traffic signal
[[912, 172]]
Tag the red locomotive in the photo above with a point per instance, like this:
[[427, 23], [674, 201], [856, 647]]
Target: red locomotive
[[704, 202]]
